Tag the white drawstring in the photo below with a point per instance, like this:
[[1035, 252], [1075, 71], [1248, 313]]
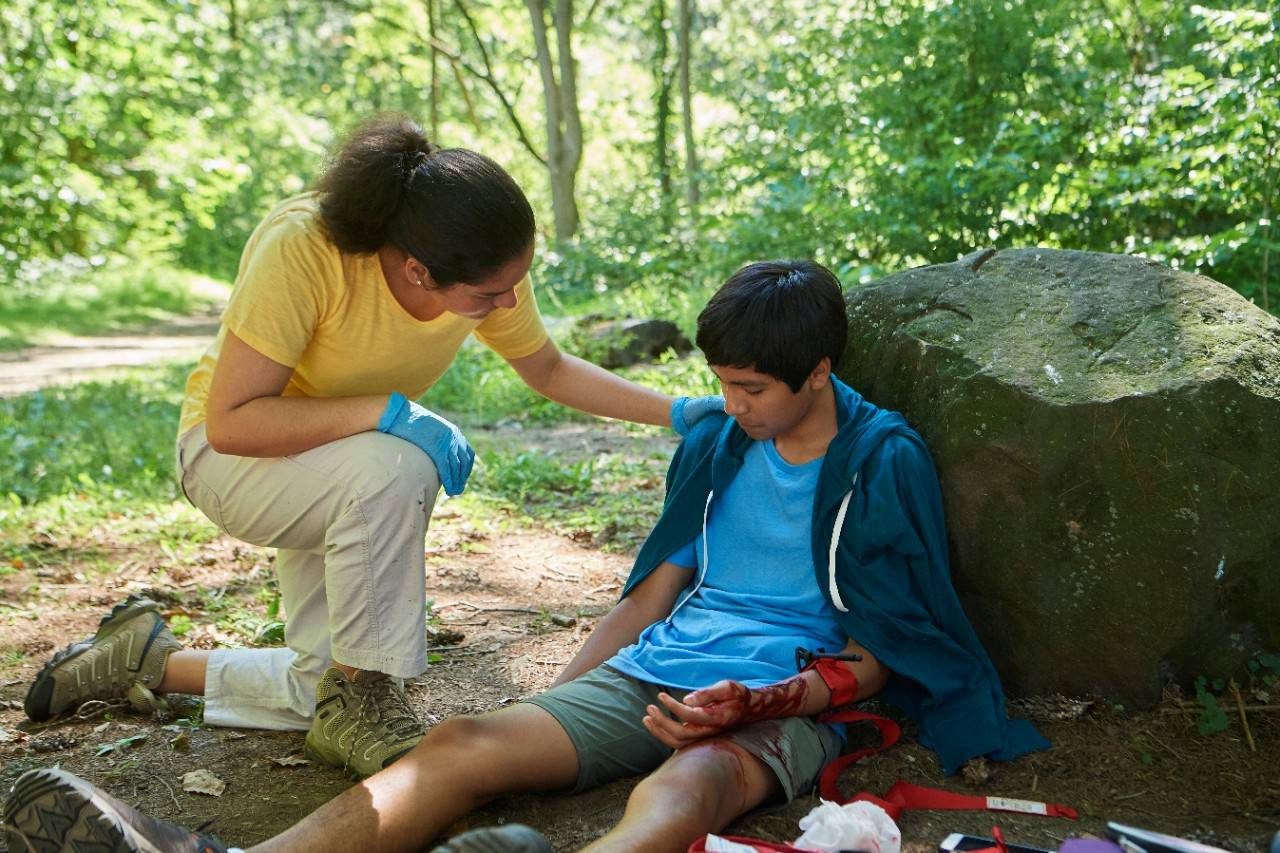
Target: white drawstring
[[706, 557], [831, 553]]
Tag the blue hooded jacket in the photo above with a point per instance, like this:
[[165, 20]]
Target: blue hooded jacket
[[880, 557]]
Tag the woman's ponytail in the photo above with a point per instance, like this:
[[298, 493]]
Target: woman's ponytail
[[458, 212]]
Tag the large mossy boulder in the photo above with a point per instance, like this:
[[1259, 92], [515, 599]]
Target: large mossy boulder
[[1107, 434]]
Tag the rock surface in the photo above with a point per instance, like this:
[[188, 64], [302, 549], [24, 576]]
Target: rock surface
[[1107, 434], [618, 343]]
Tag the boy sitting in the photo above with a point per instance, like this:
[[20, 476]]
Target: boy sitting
[[804, 516]]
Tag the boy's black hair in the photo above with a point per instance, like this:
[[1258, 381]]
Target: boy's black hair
[[779, 318]]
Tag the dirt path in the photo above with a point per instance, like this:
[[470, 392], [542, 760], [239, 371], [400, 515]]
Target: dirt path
[[69, 359]]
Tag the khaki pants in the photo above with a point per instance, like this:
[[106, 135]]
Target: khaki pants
[[348, 519]]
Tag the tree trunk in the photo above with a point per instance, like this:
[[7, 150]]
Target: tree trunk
[[662, 78], [435, 80], [692, 195], [564, 123]]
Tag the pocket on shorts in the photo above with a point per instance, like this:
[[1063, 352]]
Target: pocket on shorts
[[202, 498]]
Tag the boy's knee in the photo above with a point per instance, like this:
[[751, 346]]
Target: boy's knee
[[458, 732], [476, 746], [699, 780]]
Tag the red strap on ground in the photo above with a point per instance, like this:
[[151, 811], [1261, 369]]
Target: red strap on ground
[[903, 795], [700, 846]]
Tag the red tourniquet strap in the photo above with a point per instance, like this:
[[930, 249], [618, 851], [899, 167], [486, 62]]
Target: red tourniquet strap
[[700, 846], [839, 679], [903, 795]]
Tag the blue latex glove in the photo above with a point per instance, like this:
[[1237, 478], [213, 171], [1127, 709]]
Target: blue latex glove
[[687, 411], [434, 436]]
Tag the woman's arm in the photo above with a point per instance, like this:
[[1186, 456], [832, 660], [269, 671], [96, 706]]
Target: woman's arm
[[650, 601], [246, 416], [581, 385]]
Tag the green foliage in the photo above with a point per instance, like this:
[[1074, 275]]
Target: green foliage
[[1212, 718], [870, 136], [479, 387], [72, 297], [611, 499], [111, 440], [533, 476], [1265, 669]]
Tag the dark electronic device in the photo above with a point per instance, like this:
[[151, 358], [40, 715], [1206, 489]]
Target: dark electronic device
[[804, 657]]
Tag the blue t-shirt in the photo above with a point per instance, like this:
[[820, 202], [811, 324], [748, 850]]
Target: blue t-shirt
[[758, 598]]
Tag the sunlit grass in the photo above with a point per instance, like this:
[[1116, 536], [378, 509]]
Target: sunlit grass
[[89, 468], [93, 301]]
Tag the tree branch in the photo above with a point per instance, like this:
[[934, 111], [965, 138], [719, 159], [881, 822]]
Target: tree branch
[[455, 57], [488, 77]]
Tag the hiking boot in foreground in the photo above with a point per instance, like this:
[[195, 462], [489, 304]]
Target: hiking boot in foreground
[[512, 838], [361, 724], [50, 811], [125, 658]]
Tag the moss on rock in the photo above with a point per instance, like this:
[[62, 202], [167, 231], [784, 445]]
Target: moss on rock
[[1107, 433]]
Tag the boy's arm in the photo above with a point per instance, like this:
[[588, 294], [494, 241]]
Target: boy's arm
[[650, 601], [728, 704]]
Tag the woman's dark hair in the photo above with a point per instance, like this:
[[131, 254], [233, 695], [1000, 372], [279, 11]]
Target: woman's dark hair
[[779, 318], [458, 212]]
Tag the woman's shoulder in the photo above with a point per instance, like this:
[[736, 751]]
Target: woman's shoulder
[[295, 219], [291, 242], [295, 226]]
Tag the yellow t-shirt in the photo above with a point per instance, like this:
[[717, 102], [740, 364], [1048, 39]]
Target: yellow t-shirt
[[331, 317]]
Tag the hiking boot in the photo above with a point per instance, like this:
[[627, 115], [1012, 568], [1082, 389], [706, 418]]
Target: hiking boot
[[512, 838], [361, 724], [51, 811], [125, 658]]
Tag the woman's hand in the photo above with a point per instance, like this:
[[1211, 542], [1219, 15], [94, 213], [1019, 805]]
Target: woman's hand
[[433, 435], [687, 411]]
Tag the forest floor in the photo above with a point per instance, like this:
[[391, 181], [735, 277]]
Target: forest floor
[[512, 599]]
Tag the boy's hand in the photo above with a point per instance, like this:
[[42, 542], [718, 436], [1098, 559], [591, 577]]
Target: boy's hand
[[703, 713], [725, 705]]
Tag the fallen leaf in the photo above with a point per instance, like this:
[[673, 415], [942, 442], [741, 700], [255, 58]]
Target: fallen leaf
[[291, 761], [181, 742], [99, 729], [203, 782]]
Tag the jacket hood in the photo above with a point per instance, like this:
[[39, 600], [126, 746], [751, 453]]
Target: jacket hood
[[860, 428]]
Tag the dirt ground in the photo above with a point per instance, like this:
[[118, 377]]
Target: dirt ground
[[512, 604]]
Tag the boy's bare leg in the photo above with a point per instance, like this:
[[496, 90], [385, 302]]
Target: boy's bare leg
[[699, 789], [460, 765]]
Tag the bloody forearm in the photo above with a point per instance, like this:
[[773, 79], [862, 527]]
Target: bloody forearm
[[801, 695]]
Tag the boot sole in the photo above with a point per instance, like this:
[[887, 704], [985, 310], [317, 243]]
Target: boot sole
[[36, 704], [51, 811]]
